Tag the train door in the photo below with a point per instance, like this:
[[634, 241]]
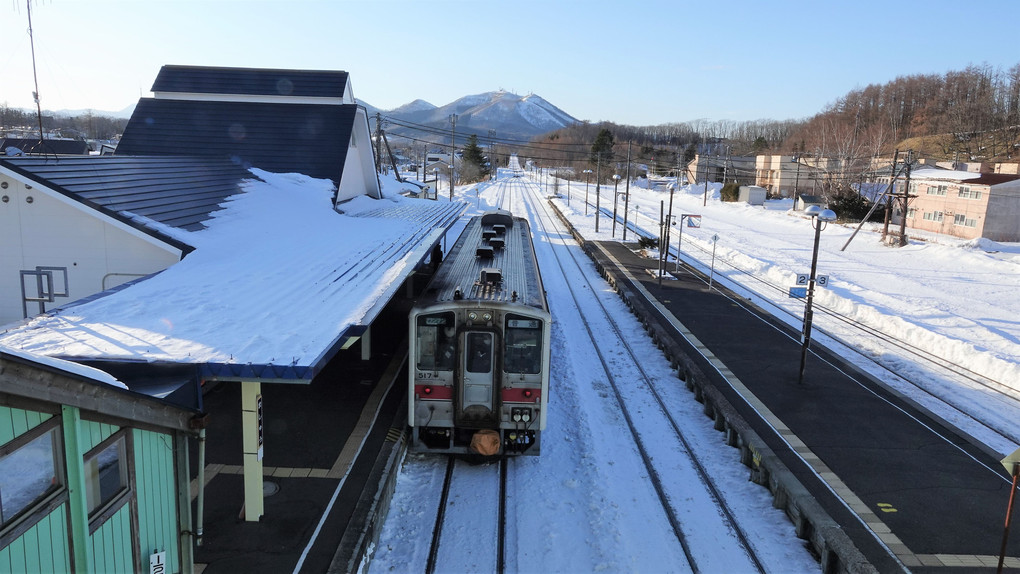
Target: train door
[[479, 376]]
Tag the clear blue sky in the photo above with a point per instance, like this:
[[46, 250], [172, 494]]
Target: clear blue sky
[[638, 62]]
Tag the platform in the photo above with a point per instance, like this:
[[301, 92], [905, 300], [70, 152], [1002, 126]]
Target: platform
[[904, 489]]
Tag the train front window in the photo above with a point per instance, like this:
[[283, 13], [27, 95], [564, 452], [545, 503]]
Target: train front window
[[479, 352], [523, 345], [437, 342]]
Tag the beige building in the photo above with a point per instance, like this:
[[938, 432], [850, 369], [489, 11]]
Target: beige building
[[964, 204]]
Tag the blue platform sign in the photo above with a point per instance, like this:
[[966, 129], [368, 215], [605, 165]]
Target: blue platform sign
[[798, 292]]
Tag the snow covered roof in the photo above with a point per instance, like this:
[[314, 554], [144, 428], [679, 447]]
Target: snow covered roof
[[277, 283], [148, 193], [960, 176]]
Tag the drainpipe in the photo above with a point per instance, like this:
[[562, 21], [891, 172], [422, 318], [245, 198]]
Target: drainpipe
[[201, 487]]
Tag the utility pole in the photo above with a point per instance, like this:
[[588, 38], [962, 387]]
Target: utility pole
[[905, 199], [626, 194], [453, 152], [378, 142], [598, 188], [888, 197], [704, 202]]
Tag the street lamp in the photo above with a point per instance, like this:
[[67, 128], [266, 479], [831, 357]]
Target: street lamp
[[616, 196], [819, 218], [586, 173]]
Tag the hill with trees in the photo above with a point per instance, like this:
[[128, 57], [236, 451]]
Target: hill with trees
[[968, 115]]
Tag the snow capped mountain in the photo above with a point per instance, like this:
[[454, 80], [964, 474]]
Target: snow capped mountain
[[509, 115]]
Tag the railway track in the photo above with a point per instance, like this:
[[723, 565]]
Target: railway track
[[466, 495], [656, 431]]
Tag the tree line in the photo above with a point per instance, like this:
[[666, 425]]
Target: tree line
[[967, 115], [88, 126]]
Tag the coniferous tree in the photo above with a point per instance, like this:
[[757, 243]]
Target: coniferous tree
[[474, 162]]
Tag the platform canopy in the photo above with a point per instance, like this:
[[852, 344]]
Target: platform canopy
[[278, 282]]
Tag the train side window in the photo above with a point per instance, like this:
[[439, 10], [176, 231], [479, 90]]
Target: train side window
[[436, 342], [523, 345]]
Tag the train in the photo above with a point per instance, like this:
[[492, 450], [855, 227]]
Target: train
[[479, 346]]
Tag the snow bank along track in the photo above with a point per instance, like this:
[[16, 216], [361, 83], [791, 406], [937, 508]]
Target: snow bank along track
[[836, 552]]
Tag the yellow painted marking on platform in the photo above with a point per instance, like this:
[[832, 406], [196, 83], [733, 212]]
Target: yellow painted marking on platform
[[886, 507]]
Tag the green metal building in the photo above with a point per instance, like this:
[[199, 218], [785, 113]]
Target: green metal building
[[93, 476]]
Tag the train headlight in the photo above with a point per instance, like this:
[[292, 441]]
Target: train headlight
[[472, 315], [487, 317]]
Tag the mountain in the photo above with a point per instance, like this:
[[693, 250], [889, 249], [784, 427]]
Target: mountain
[[121, 114], [510, 116]]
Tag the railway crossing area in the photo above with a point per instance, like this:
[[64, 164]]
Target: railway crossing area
[[869, 477]]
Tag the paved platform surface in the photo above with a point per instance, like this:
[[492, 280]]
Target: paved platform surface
[[911, 492]]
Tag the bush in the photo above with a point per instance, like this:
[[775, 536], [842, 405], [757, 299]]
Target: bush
[[851, 207], [648, 243], [730, 192]]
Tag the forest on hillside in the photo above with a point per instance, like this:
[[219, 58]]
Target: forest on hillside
[[967, 115]]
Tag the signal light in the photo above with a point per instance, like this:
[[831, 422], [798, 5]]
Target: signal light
[[527, 393], [427, 390]]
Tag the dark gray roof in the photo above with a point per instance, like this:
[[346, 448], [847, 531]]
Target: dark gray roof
[[178, 192], [311, 139], [47, 146], [250, 81]]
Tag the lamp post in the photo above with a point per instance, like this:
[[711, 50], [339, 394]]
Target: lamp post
[[587, 174], [819, 218], [616, 197]]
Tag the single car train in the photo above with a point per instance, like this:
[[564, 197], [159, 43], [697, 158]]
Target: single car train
[[479, 346]]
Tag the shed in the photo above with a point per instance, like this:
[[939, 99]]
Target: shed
[[804, 201], [753, 194]]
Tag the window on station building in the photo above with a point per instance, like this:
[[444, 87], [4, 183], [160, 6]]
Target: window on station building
[[106, 475], [436, 342], [30, 471], [522, 351]]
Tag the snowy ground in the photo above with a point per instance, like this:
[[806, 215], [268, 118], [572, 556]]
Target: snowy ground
[[953, 299]]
